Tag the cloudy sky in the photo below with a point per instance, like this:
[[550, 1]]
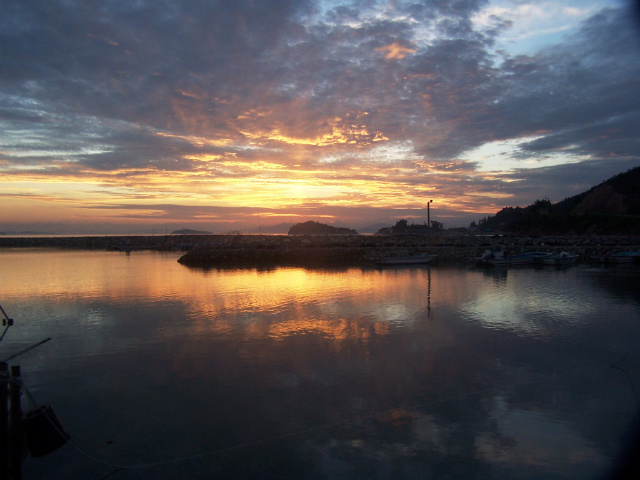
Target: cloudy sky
[[146, 115]]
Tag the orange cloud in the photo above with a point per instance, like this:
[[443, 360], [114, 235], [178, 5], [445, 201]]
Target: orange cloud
[[395, 51]]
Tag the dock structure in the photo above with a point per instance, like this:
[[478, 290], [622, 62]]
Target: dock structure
[[11, 434]]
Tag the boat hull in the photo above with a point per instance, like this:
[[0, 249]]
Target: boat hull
[[516, 260], [409, 260], [560, 259]]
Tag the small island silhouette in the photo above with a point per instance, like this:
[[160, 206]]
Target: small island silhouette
[[187, 231]]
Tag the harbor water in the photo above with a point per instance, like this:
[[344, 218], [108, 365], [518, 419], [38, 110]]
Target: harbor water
[[161, 371]]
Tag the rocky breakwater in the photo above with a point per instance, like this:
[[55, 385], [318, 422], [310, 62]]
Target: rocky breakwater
[[103, 242], [330, 251], [294, 250]]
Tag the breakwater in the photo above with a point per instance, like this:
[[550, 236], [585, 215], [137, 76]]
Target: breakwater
[[211, 251]]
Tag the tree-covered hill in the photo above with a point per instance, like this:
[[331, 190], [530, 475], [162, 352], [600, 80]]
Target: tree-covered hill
[[612, 207]]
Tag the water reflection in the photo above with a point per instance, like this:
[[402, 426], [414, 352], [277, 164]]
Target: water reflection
[[531, 300], [538, 441], [293, 373]]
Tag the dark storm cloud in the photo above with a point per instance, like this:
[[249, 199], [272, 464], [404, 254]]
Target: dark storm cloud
[[581, 96], [131, 60], [590, 83], [193, 66]]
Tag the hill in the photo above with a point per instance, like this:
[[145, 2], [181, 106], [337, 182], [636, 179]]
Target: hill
[[612, 207], [315, 228]]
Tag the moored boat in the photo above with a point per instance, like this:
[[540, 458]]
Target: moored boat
[[562, 258], [421, 258], [498, 256]]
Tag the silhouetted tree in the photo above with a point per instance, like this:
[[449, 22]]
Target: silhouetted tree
[[438, 226]]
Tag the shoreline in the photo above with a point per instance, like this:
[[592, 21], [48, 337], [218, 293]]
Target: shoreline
[[211, 251]]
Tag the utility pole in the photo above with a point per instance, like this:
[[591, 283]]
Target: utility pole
[[429, 221]]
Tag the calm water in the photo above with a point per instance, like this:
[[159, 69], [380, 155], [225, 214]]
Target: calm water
[[160, 371]]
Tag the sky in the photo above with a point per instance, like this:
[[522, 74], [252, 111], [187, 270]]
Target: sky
[[147, 116]]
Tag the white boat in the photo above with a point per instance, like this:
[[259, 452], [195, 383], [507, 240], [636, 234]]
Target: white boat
[[498, 256], [562, 258], [421, 258]]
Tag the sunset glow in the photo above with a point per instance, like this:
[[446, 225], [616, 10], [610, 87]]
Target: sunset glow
[[329, 111]]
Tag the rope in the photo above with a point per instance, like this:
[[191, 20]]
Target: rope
[[5, 314], [25, 350], [7, 320]]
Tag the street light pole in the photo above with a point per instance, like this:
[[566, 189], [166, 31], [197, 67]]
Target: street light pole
[[429, 220]]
